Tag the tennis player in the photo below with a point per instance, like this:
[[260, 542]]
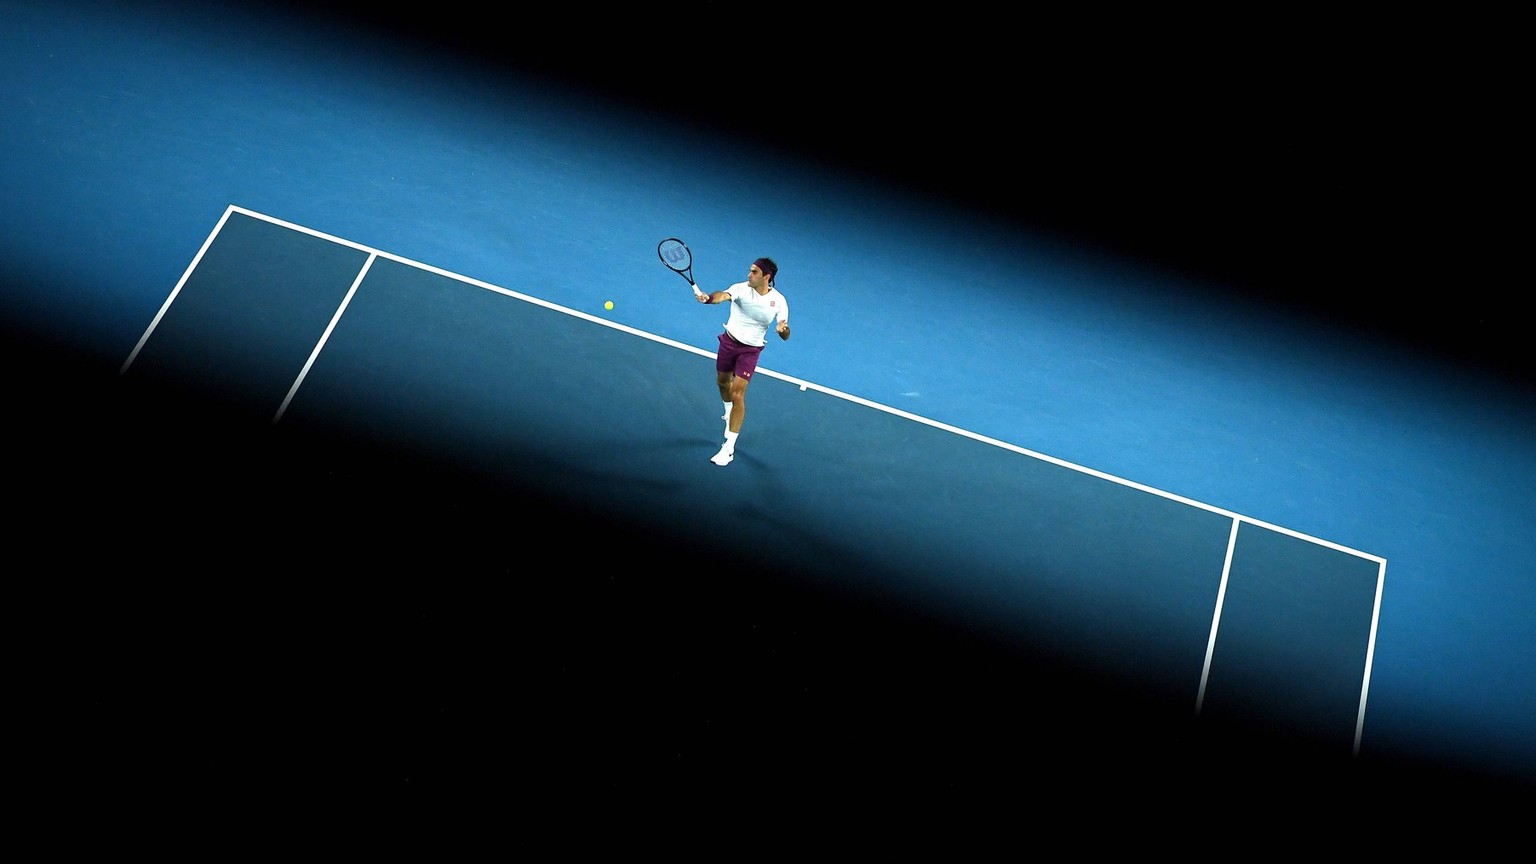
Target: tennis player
[[755, 304]]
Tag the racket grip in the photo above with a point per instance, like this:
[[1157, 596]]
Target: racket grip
[[697, 292]]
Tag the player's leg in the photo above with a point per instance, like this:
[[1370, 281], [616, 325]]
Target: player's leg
[[724, 380]]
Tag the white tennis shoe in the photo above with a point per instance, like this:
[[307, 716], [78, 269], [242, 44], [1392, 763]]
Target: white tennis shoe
[[723, 458]]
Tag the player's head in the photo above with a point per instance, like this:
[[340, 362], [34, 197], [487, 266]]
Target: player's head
[[769, 268]]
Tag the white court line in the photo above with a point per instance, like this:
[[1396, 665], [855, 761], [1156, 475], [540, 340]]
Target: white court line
[[1237, 518], [803, 384]]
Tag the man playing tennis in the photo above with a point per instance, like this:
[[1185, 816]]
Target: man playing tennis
[[755, 304]]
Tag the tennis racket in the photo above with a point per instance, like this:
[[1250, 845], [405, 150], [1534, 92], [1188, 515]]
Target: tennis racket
[[674, 253]]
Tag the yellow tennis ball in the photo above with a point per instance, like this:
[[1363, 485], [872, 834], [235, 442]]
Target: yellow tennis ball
[[608, 305]]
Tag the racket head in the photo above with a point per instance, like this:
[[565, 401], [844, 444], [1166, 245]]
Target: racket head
[[674, 253]]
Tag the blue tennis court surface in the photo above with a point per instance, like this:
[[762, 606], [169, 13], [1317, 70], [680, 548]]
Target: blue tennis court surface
[[360, 481]]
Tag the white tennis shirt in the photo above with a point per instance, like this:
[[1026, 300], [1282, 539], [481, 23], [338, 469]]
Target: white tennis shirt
[[752, 313]]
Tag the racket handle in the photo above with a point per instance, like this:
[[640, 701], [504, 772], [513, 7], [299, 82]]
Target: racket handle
[[697, 292]]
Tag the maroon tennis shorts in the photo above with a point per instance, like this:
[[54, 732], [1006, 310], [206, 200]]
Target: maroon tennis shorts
[[737, 358]]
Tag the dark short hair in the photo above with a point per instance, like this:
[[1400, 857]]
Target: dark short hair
[[768, 267]]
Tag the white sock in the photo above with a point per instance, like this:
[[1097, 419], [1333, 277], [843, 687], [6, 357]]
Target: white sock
[[727, 414], [730, 441]]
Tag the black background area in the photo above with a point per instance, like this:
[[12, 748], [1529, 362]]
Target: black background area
[[1338, 169]]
